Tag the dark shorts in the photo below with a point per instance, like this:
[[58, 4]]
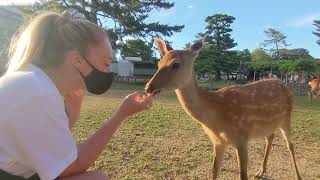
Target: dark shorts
[[6, 176]]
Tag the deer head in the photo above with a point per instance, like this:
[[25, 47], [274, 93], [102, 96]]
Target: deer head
[[175, 69]]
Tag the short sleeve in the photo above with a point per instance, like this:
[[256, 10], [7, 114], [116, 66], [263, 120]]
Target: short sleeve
[[42, 136]]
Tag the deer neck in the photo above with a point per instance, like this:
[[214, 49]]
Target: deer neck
[[194, 101]]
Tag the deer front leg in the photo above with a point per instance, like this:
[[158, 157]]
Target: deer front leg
[[219, 150], [242, 153]]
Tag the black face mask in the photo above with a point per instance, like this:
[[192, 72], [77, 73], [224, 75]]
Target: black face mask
[[97, 82]]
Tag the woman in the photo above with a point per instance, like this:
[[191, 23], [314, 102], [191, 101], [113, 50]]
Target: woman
[[51, 62]]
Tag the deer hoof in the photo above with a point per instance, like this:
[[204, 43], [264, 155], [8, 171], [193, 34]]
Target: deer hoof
[[260, 173]]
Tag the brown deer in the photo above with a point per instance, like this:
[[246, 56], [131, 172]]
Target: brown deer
[[314, 92], [231, 115]]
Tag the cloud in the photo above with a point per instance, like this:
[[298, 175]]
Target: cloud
[[303, 21], [190, 7]]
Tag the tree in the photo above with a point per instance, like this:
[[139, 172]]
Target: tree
[[306, 66], [260, 54], [276, 39], [204, 63], [285, 67], [317, 32], [137, 48], [300, 53], [219, 42], [243, 58], [292, 54], [218, 31], [244, 55], [129, 18], [42, 5]]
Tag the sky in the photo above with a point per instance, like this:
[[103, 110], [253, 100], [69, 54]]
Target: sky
[[294, 18]]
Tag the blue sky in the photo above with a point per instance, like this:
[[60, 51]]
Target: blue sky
[[292, 17]]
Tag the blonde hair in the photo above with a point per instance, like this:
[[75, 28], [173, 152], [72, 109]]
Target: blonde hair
[[48, 37]]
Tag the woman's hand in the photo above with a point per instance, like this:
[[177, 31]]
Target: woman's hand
[[134, 103], [72, 103]]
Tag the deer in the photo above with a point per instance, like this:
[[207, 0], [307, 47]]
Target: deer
[[314, 92], [230, 116]]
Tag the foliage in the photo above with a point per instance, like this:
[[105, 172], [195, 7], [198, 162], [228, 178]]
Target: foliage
[[42, 5], [276, 39], [317, 32], [244, 55], [216, 57], [205, 62], [129, 18], [305, 66], [285, 66], [292, 54], [260, 54], [137, 48], [218, 31]]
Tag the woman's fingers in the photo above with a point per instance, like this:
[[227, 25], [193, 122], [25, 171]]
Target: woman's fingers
[[134, 103]]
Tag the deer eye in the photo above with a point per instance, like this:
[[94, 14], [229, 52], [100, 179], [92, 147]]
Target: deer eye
[[175, 65]]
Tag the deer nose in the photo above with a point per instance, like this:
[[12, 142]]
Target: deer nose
[[149, 88]]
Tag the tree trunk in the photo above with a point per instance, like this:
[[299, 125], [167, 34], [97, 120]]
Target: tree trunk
[[277, 51], [211, 83], [254, 75], [218, 75]]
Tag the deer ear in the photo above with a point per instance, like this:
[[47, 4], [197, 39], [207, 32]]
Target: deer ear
[[161, 46]]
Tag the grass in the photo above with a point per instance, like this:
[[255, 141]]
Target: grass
[[164, 143], [216, 84]]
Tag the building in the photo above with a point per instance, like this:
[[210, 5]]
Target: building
[[134, 67]]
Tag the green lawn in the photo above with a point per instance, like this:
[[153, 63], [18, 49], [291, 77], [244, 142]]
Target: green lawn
[[164, 143]]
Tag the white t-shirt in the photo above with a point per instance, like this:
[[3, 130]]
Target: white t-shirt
[[34, 128]]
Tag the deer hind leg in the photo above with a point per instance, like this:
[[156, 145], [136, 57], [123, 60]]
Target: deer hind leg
[[219, 150], [286, 135], [242, 153], [263, 168], [310, 97]]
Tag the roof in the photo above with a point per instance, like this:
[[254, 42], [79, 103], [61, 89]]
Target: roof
[[141, 62]]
